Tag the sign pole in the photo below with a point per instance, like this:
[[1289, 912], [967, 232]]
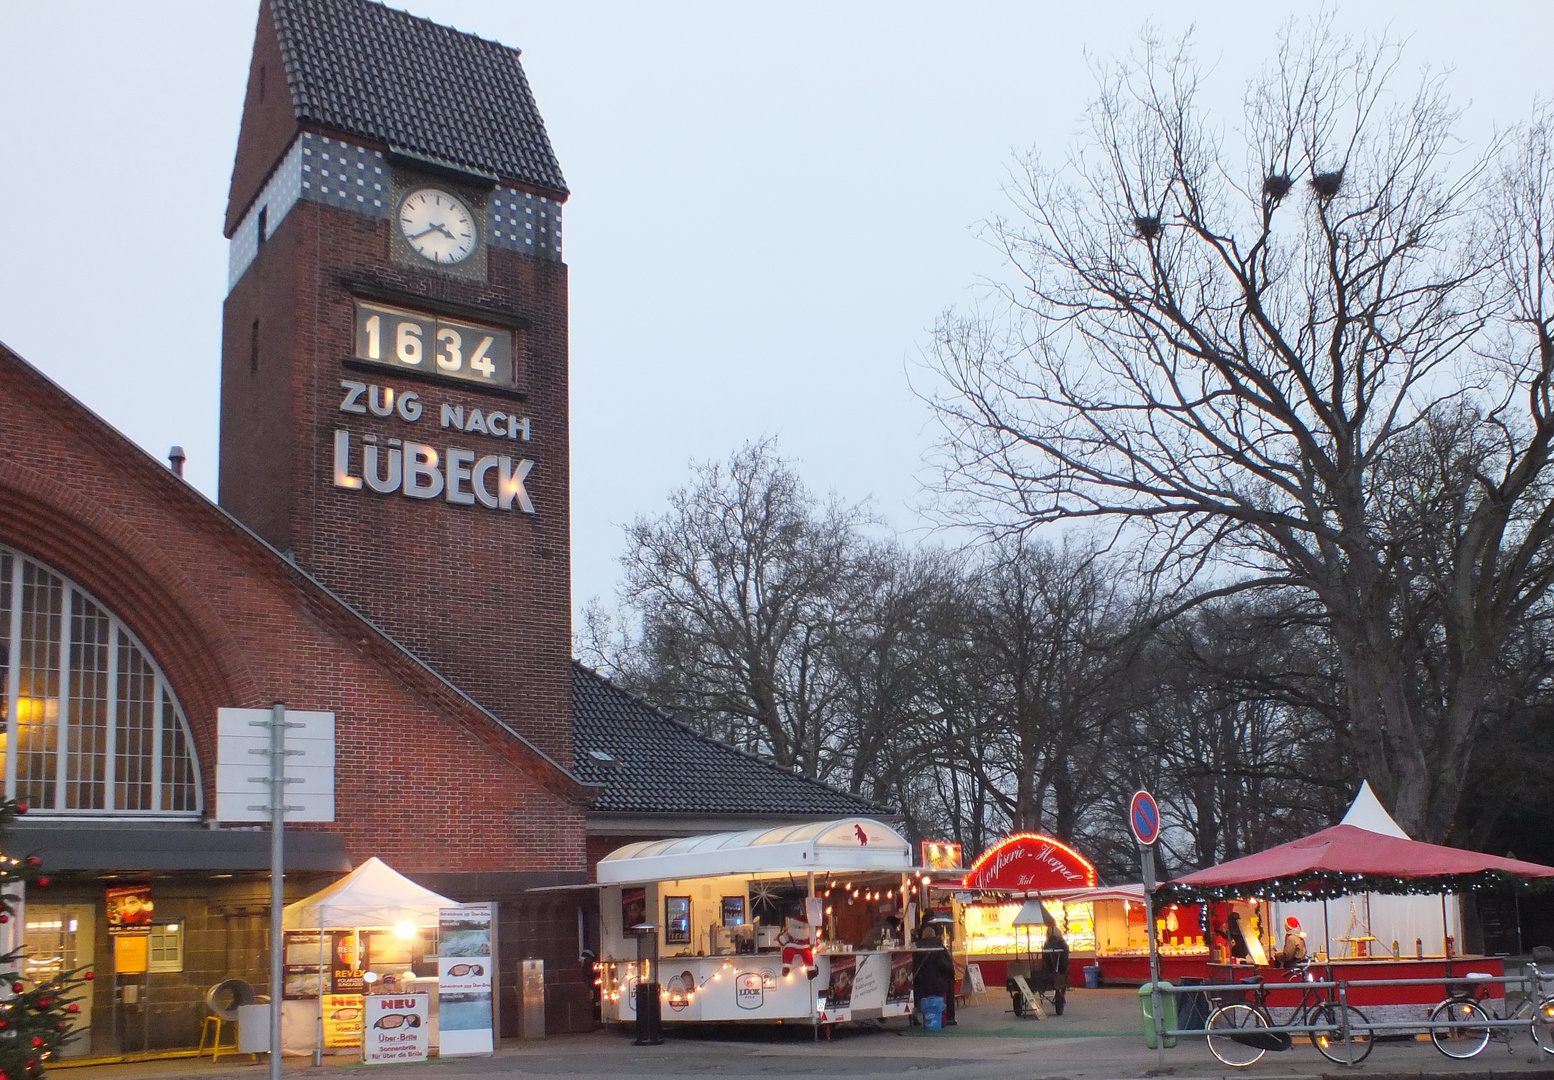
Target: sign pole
[[277, 879], [1147, 862], [1144, 820]]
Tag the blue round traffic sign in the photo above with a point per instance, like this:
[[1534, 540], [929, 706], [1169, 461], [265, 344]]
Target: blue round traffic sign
[[1144, 818]]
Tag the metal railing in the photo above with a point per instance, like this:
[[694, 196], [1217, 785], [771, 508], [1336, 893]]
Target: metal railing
[[1535, 988]]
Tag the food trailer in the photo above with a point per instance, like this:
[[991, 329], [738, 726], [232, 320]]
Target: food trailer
[[1103, 925], [796, 924]]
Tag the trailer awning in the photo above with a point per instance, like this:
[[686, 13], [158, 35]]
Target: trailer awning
[[848, 845]]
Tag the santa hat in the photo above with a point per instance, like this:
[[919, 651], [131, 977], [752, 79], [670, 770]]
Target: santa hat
[[1291, 923]]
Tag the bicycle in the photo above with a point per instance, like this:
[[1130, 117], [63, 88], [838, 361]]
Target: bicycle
[[1238, 1035], [1471, 1030]]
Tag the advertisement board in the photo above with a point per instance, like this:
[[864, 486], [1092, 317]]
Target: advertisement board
[[342, 1020], [465, 977], [397, 1026], [129, 911]]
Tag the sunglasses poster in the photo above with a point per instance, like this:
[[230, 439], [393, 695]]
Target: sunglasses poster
[[465, 976], [342, 1020], [396, 1027]]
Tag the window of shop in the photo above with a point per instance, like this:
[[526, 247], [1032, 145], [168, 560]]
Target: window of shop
[[91, 726], [165, 950]]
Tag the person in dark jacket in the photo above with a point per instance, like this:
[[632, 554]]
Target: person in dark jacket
[[933, 974]]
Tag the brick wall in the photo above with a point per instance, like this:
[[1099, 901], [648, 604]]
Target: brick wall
[[425, 780], [484, 596]]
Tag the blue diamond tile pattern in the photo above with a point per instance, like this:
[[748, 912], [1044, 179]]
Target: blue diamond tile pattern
[[339, 173], [659, 765], [365, 69]]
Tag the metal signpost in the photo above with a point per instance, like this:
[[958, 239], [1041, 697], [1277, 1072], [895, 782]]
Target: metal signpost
[[235, 786], [1144, 820]]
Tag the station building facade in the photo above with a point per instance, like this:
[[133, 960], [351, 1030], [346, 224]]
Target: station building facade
[[391, 544]]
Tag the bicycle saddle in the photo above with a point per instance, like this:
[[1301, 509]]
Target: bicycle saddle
[[1477, 975]]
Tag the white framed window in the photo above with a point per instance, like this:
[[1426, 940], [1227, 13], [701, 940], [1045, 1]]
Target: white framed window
[[90, 724], [165, 952]]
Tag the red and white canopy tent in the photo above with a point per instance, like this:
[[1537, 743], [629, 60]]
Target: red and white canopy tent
[[1367, 855]]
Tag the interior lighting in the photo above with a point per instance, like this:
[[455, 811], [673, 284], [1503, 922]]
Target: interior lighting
[[405, 929]]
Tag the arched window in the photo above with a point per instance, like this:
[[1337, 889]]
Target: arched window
[[90, 724]]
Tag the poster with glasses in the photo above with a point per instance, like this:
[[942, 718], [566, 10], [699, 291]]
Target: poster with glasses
[[396, 1028], [465, 976]]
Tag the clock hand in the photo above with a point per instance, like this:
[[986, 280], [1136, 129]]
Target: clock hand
[[423, 232]]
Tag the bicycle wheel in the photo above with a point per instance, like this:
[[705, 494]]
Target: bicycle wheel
[[1236, 1035], [1459, 1042], [1330, 1041], [1543, 1025]]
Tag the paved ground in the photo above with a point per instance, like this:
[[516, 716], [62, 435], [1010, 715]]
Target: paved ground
[[989, 1043]]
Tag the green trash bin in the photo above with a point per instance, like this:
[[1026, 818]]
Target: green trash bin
[[1167, 1013]]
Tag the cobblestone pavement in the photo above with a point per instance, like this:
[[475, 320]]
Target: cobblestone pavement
[[1097, 1039]]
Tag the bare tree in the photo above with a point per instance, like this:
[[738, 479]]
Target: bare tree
[[743, 589], [1316, 354]]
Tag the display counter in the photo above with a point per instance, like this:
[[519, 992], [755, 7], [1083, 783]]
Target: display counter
[[1375, 967]]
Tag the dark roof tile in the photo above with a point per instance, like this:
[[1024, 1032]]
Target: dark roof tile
[[662, 766], [359, 67]]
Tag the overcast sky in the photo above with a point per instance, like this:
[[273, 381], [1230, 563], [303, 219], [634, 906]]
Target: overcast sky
[[771, 203]]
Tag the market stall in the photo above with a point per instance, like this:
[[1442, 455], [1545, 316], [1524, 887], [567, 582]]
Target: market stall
[[1342, 868], [808, 923], [372, 931], [1102, 925]]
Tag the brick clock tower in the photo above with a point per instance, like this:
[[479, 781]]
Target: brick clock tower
[[394, 349]]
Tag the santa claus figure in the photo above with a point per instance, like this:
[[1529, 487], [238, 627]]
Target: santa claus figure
[[798, 944]]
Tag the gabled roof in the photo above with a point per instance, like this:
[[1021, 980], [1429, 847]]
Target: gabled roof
[[430, 91], [659, 765]]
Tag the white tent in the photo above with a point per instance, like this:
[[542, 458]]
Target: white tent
[[372, 895], [1404, 919]]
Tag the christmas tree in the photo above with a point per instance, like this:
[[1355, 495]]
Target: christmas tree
[[35, 1018]]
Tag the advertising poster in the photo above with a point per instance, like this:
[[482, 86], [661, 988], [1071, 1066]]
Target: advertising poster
[[129, 910], [838, 1007], [349, 963], [465, 976], [633, 908], [899, 990], [342, 1020], [397, 1027]]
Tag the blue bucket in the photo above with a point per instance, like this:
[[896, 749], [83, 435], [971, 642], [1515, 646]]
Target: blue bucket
[[933, 1013], [1092, 977]]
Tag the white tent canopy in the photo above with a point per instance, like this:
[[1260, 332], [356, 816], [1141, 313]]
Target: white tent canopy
[[372, 895], [848, 845]]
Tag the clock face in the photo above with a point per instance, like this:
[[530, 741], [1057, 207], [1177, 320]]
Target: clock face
[[437, 225]]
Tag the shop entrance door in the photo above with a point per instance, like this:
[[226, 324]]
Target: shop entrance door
[[60, 937]]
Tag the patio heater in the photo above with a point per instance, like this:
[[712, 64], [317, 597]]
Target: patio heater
[[649, 1008]]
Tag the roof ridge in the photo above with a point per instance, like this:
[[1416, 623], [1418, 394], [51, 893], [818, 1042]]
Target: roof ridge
[[704, 737]]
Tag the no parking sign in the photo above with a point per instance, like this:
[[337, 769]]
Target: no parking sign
[[1144, 818]]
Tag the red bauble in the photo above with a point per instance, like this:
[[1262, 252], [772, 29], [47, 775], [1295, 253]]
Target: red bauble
[[43, 883], [33, 860], [72, 1007], [89, 976], [3, 1024], [21, 808], [17, 988], [4, 918], [37, 1043]]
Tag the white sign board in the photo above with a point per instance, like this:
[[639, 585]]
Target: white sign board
[[243, 765], [464, 980], [396, 1027]]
